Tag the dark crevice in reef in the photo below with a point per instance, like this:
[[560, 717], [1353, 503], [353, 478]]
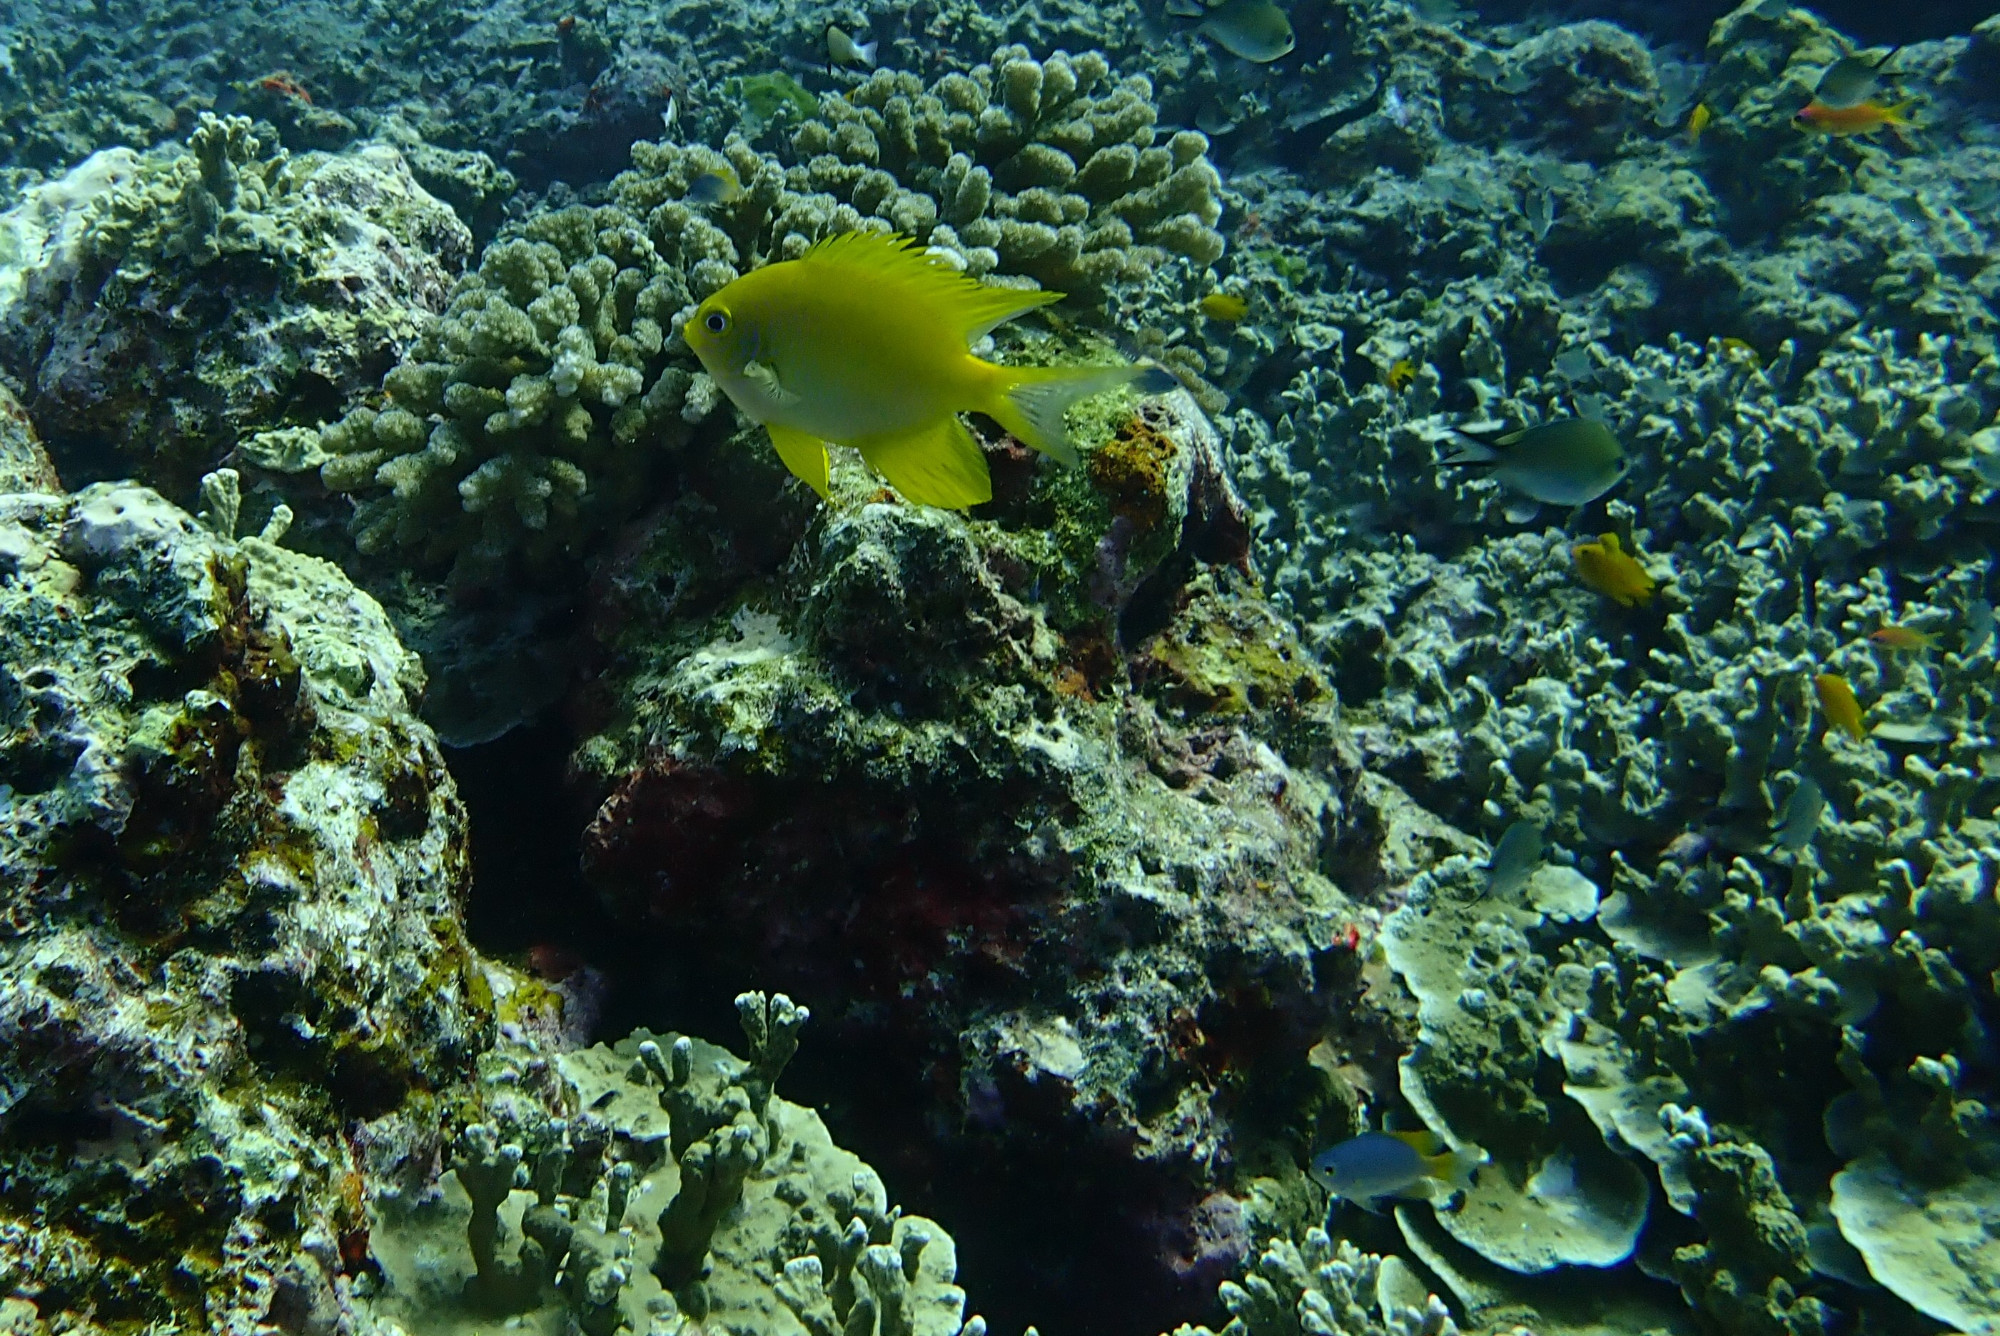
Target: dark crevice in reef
[[529, 902], [1048, 1233]]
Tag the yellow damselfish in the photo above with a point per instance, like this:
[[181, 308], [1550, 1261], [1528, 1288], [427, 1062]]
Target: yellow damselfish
[[864, 341], [1613, 572], [1228, 307], [1837, 701]]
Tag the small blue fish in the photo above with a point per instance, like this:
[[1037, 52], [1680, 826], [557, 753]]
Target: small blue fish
[[1375, 1165]]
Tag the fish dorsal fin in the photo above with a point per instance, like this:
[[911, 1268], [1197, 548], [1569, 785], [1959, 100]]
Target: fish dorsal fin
[[1423, 1142], [896, 270]]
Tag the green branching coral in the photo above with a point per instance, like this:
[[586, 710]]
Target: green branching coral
[[529, 419], [529, 416], [1045, 170]]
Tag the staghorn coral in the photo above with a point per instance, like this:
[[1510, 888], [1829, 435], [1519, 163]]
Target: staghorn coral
[[657, 1185]]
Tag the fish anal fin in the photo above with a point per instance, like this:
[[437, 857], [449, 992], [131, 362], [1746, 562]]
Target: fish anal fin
[[804, 454], [938, 465], [896, 271]]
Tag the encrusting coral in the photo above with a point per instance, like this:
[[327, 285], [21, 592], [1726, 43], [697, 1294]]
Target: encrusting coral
[[212, 789], [163, 308]]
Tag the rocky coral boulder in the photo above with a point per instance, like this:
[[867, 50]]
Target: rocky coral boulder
[[1032, 809], [165, 307], [228, 932]]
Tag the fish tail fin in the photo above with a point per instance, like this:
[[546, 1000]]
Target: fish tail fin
[[1898, 114], [1454, 1168], [1029, 401], [866, 50]]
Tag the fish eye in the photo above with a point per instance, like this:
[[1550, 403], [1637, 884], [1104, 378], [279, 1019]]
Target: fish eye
[[716, 321]]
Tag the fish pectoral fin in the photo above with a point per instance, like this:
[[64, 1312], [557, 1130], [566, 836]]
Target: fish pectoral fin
[[765, 377], [937, 465], [804, 454]]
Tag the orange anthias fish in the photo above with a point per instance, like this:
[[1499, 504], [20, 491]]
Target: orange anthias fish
[[1903, 639], [1856, 120], [1842, 710], [1612, 571]]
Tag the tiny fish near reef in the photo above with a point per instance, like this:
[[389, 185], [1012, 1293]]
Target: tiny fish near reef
[[1837, 700], [1856, 120], [863, 341], [1228, 307], [1851, 80], [1613, 572], [1375, 1165]]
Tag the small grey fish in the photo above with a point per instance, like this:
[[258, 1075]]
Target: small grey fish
[[1540, 210], [1377, 1165], [1800, 819], [844, 50], [1514, 860], [1851, 80], [1575, 363], [1256, 30], [1979, 625], [1567, 462]]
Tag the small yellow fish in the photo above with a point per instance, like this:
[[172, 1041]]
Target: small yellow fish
[[717, 186], [1836, 699], [1736, 350], [1612, 571], [864, 341], [1698, 120], [1903, 639], [1856, 120], [1399, 375], [1227, 307]]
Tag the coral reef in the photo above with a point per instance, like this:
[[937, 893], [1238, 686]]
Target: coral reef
[[538, 411], [530, 416], [1091, 892], [162, 308], [235, 866], [657, 1185]]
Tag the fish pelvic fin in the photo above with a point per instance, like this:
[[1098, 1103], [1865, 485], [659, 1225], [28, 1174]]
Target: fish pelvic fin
[[936, 465], [805, 455], [1029, 401]]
